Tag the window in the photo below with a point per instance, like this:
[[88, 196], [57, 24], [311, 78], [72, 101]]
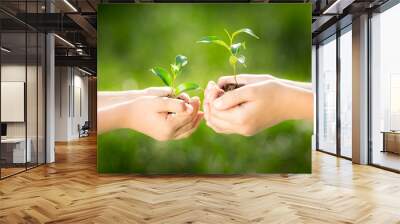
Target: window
[[22, 77], [327, 95], [385, 89], [346, 92]]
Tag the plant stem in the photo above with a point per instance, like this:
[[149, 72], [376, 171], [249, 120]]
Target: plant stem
[[173, 84], [234, 74], [234, 66], [173, 88]]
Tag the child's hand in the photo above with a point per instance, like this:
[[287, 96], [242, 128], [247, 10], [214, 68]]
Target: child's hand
[[255, 106], [109, 98], [155, 115], [163, 118]]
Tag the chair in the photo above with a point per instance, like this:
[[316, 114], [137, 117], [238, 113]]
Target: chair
[[84, 130]]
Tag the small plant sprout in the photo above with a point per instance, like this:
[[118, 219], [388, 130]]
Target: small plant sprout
[[169, 78], [233, 48]]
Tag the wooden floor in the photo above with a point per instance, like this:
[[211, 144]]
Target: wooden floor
[[387, 159], [70, 191], [5, 172]]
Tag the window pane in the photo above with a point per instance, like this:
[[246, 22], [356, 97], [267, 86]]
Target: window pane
[[327, 96], [15, 150], [31, 97], [313, 78], [41, 98], [345, 94]]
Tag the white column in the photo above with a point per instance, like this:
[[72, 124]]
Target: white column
[[50, 99], [50, 92], [360, 90]]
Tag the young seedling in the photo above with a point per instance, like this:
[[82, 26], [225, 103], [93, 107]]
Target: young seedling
[[169, 78], [234, 50]]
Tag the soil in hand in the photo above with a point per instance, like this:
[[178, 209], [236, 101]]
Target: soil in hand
[[231, 86]]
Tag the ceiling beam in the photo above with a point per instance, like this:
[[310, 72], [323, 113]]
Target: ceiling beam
[[320, 22], [78, 61], [337, 7], [49, 22], [86, 26]]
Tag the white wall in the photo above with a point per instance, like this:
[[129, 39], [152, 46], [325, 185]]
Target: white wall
[[62, 82], [80, 103], [71, 94]]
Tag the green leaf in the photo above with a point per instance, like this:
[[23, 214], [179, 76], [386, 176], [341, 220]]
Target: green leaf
[[228, 34], [163, 74], [181, 61], [245, 30], [235, 48], [184, 87], [242, 60], [214, 40]]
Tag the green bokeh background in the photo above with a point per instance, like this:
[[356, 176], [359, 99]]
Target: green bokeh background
[[134, 38]]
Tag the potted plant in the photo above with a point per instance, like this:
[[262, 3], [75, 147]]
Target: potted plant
[[234, 50], [169, 78]]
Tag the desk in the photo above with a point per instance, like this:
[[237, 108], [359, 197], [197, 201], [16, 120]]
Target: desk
[[391, 141], [15, 148]]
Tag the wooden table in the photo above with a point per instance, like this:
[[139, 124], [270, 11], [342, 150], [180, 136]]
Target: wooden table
[[391, 141]]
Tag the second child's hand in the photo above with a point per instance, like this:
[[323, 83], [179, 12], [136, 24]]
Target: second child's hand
[[257, 105]]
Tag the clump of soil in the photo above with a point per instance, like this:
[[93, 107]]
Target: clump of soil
[[231, 86]]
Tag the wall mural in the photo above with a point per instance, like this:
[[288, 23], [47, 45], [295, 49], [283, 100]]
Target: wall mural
[[204, 88]]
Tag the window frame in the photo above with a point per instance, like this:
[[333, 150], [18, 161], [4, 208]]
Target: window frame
[[347, 27]]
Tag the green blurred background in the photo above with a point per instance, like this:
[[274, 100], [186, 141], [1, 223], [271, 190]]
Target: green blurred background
[[134, 38]]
